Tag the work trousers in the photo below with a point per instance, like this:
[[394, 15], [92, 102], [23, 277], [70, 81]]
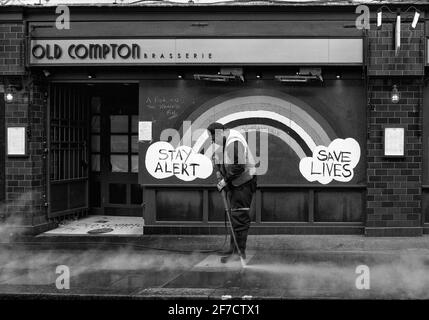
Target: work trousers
[[240, 200]]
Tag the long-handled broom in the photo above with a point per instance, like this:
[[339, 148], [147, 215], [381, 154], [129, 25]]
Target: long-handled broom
[[228, 213]]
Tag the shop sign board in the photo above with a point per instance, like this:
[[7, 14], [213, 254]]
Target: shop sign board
[[196, 51]]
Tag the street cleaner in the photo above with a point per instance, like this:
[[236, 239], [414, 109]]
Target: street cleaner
[[235, 167]]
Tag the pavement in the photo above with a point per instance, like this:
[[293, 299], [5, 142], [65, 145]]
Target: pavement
[[181, 267]]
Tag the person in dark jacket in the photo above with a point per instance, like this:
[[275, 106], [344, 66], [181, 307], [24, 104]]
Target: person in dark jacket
[[236, 173]]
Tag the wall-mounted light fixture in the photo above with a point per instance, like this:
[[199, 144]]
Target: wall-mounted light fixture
[[46, 73], [305, 75], [219, 78], [227, 74], [415, 19], [23, 85], [379, 17], [397, 24], [395, 94], [10, 92], [8, 95]]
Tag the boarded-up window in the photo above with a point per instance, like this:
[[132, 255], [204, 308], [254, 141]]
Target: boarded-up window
[[297, 185]]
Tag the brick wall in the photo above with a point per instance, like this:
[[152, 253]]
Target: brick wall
[[394, 185], [25, 177], [2, 158], [410, 59], [11, 48]]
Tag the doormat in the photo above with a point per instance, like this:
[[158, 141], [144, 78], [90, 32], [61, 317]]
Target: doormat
[[101, 225], [100, 230]]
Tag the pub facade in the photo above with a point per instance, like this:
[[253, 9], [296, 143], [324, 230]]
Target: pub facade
[[107, 117]]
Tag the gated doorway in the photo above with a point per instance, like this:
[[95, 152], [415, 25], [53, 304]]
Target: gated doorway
[[93, 150], [68, 151]]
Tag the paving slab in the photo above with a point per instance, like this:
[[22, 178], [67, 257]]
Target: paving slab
[[100, 225]]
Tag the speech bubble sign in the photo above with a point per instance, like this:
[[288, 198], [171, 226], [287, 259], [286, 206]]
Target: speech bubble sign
[[164, 161], [334, 162]]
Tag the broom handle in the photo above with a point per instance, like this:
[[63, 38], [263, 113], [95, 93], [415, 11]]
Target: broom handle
[[228, 212]]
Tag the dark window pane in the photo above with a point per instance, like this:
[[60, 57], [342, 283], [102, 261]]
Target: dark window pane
[[278, 206], [95, 143], [134, 163], [216, 208], [339, 206], [95, 194], [136, 194], [118, 143], [119, 163], [179, 205], [119, 124], [95, 124], [118, 193], [95, 163]]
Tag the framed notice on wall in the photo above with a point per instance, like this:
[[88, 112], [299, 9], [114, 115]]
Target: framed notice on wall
[[394, 141], [16, 141]]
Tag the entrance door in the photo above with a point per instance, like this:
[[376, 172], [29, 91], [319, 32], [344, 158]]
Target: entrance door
[[114, 150], [68, 150]]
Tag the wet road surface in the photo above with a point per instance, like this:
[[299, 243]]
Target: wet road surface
[[400, 274]]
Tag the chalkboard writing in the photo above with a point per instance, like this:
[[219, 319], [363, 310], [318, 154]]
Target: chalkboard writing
[[335, 162], [163, 161]]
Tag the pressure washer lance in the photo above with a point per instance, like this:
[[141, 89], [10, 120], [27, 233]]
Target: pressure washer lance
[[228, 214]]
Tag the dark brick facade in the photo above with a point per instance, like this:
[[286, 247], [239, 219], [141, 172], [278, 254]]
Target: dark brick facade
[[11, 48], [25, 177], [382, 60], [394, 184], [24, 181], [2, 157]]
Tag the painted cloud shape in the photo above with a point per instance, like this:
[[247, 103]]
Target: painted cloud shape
[[164, 161], [335, 162]]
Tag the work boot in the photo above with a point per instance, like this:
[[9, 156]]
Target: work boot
[[231, 248], [241, 241], [231, 257], [231, 254]]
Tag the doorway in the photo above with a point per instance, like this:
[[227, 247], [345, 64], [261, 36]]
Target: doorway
[[93, 150], [114, 188]]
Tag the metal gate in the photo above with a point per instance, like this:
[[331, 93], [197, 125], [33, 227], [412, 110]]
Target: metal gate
[[68, 155]]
